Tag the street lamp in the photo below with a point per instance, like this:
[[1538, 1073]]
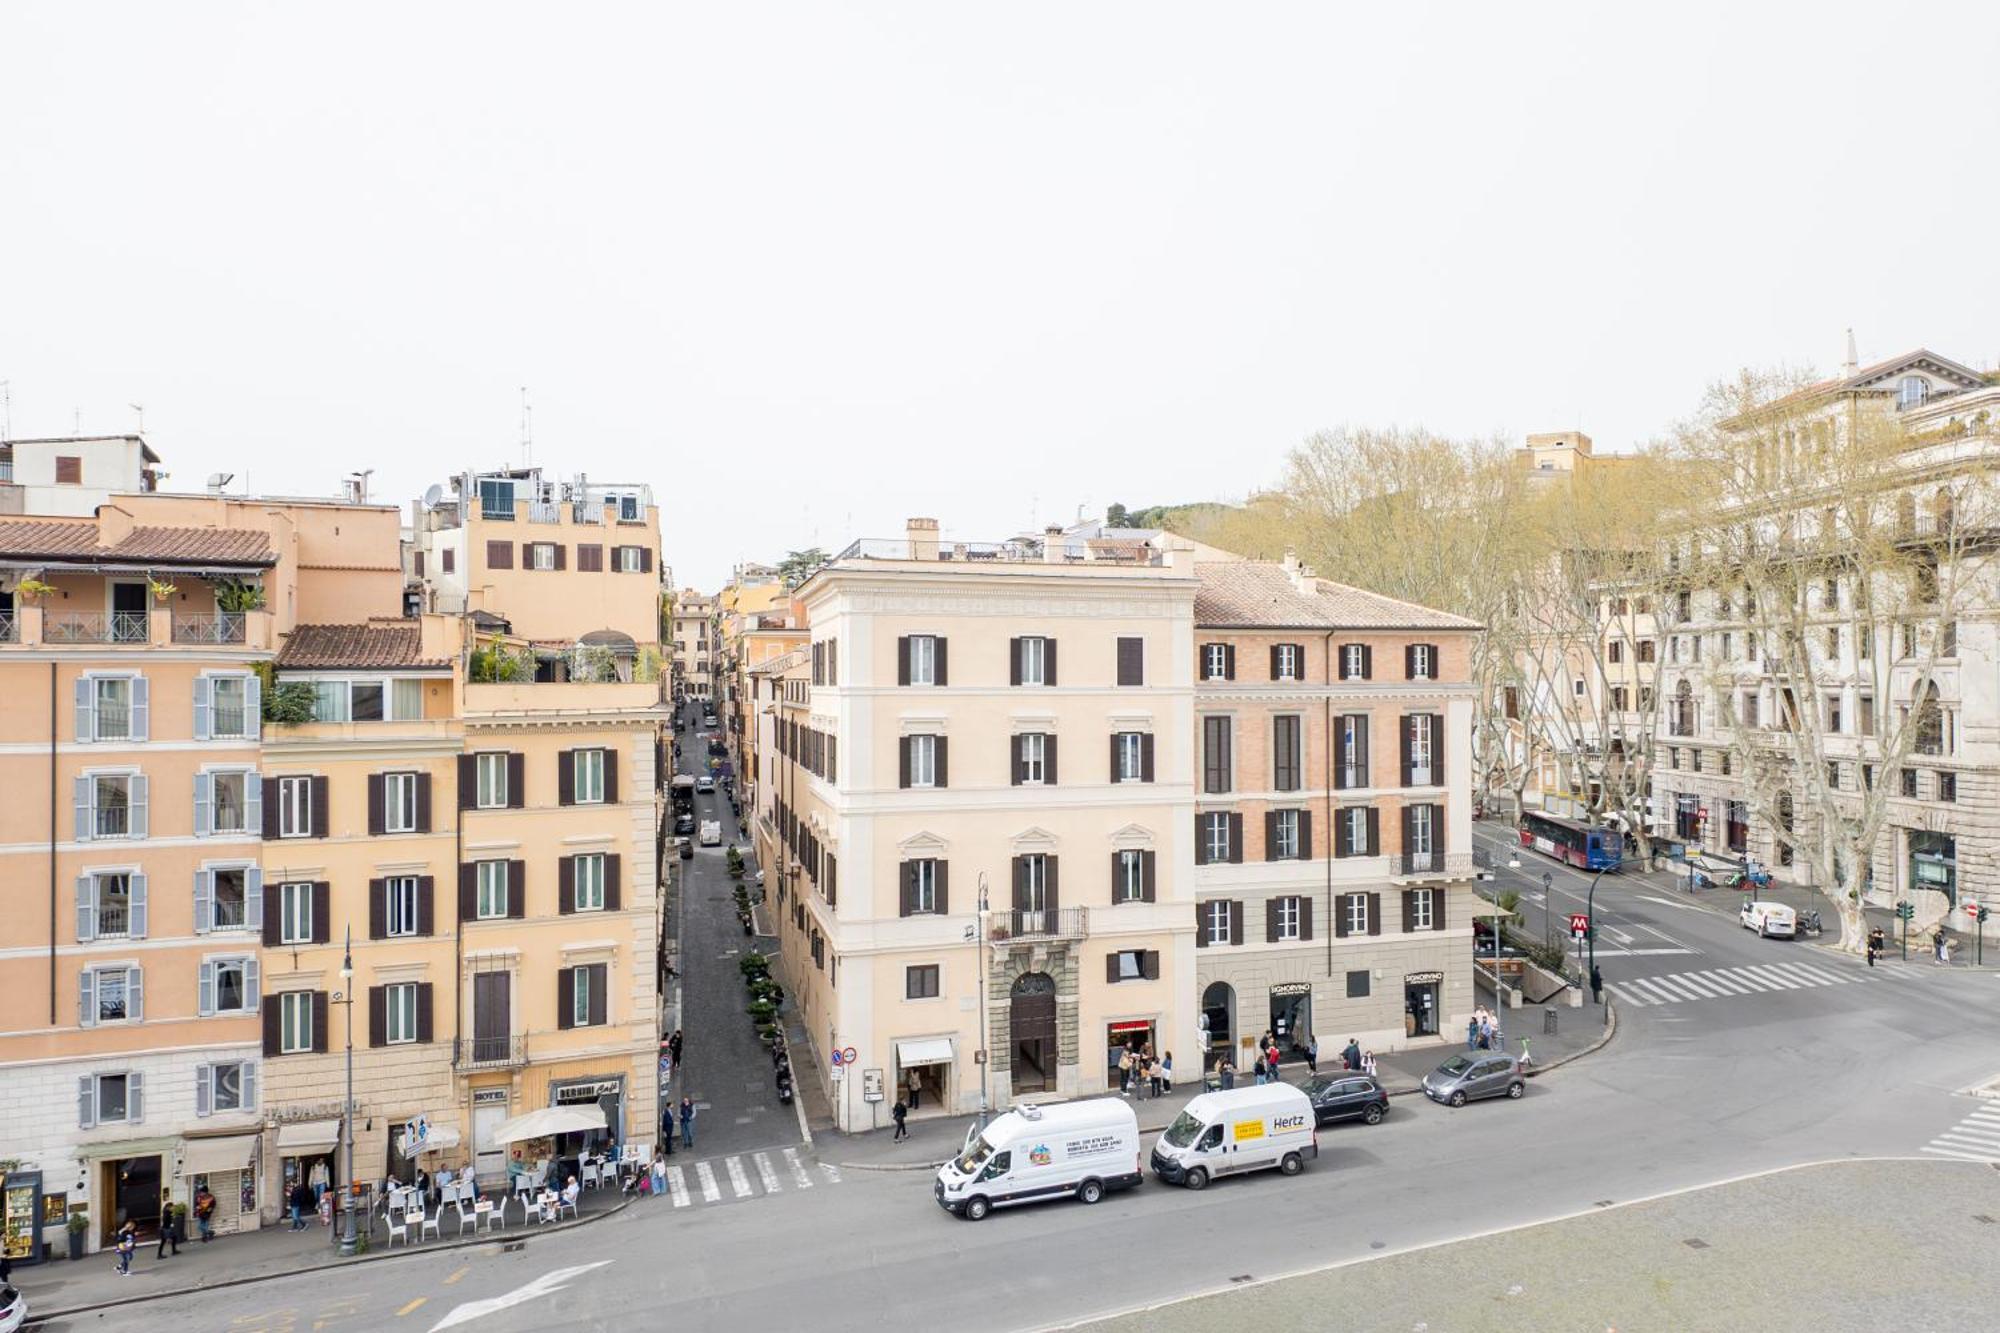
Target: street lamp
[[984, 1063], [346, 997], [1590, 930]]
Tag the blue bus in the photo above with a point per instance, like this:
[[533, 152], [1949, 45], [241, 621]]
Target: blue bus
[[1582, 845]]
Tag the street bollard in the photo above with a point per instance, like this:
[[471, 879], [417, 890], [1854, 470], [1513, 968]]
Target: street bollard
[[1549, 1021]]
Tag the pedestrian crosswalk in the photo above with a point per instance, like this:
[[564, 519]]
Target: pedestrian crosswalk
[[1973, 1139], [746, 1176], [1723, 982]]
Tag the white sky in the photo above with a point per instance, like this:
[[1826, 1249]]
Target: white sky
[[808, 269]]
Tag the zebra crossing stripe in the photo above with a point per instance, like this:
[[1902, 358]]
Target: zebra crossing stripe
[[1831, 978], [739, 1179], [1695, 981], [1674, 988], [1627, 996], [800, 1177], [709, 1192], [677, 1186], [1966, 1145], [1771, 980], [1964, 1135], [832, 1173], [1796, 972], [1652, 990], [1933, 1149], [1733, 985], [766, 1173]]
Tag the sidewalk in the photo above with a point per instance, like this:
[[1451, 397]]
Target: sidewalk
[[935, 1139], [61, 1288]]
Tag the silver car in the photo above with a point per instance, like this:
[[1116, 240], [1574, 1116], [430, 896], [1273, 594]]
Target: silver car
[[1475, 1074]]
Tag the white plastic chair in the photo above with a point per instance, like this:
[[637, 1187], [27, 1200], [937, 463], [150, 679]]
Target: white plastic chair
[[467, 1221], [591, 1179], [563, 1202], [399, 1228], [430, 1224]]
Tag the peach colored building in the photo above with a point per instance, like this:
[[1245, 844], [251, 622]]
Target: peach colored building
[[1332, 813]]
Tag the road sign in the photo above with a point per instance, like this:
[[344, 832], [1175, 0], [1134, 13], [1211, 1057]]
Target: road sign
[[1578, 923], [849, 1056], [1971, 908], [836, 1058]]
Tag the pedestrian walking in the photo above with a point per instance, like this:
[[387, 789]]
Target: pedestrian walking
[[1472, 1032], [1261, 1071], [659, 1172], [1875, 941], [1271, 1059], [1596, 985], [300, 1201], [1312, 1055], [1167, 1072], [900, 1113], [687, 1122], [674, 1046], [667, 1128], [915, 1083], [1368, 1062], [1941, 942], [204, 1214], [128, 1244], [321, 1179], [168, 1236]]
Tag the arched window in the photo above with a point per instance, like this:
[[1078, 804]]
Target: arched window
[[1683, 720], [1913, 390]]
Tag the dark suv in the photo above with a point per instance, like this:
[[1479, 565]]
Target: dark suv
[[1347, 1096]]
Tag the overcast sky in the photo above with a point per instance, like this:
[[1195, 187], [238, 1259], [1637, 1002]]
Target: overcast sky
[[809, 269]]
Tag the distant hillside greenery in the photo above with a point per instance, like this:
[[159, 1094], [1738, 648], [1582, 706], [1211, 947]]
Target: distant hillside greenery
[[1251, 529]]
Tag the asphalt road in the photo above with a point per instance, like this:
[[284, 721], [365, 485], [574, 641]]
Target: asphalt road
[[1694, 1091]]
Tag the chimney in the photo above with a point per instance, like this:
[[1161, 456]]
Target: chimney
[[922, 534], [1053, 547], [1291, 560], [1852, 366], [1302, 577]]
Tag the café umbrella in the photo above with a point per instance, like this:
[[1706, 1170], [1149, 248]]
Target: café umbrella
[[549, 1121]]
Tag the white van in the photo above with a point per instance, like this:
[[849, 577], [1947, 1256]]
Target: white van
[[1769, 919], [1072, 1150], [1242, 1129], [711, 833]]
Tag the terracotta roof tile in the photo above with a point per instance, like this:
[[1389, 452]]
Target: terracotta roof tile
[[29, 539], [375, 646], [1250, 594]]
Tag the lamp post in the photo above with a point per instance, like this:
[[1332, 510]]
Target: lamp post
[[346, 1182], [985, 1064], [1590, 930]]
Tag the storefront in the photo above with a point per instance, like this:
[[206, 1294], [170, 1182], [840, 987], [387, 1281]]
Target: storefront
[[21, 1216], [608, 1095], [1218, 1021], [489, 1112], [307, 1151], [923, 1074], [1133, 1034], [226, 1166], [1291, 1016], [1421, 1008], [1934, 863]]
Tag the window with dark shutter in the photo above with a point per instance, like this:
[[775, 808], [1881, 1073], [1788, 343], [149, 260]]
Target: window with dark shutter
[[1131, 661], [499, 555], [448, 560], [69, 470], [1216, 771]]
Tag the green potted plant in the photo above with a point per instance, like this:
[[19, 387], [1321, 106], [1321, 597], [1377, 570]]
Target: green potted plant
[[234, 595], [32, 590], [763, 1011], [79, 1227]]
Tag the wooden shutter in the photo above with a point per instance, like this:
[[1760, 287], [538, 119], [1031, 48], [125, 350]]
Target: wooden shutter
[[1409, 824], [426, 904], [1148, 885], [1343, 836], [1201, 925], [378, 909], [499, 555], [590, 558], [613, 866], [906, 888], [1146, 756], [1111, 968], [1374, 832], [376, 820], [939, 646], [1114, 758], [1438, 900], [1049, 758], [1344, 673], [517, 889], [517, 784], [1409, 661], [1018, 768], [322, 824], [272, 924], [424, 1004], [1270, 835], [903, 761], [1305, 917], [941, 747], [1200, 841], [423, 803], [562, 556], [319, 1021], [1374, 914], [1271, 920], [565, 997], [1403, 732], [468, 891], [1305, 835], [1049, 661], [1437, 750], [270, 804], [1409, 910], [903, 661], [1367, 662], [645, 559], [322, 911], [566, 777], [565, 884], [273, 1031], [378, 1015], [1235, 838], [1131, 661], [611, 775], [1229, 661], [468, 781], [941, 875], [1236, 921], [1149, 964], [1050, 865], [1117, 865], [1014, 661], [1340, 909], [1361, 748]]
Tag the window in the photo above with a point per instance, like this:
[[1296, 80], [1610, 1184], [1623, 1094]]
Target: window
[[110, 995], [1911, 391], [112, 704], [1130, 965], [920, 983], [589, 777], [1833, 713], [399, 908], [448, 559], [1423, 831], [491, 898], [69, 470], [1615, 652], [229, 716], [1356, 907], [1034, 656], [1422, 905], [491, 789], [1646, 650], [112, 905], [1031, 751], [1215, 836], [542, 555], [110, 1099], [1420, 750], [1354, 661], [923, 887], [1354, 830], [589, 872], [1129, 878], [1353, 741], [1288, 918], [923, 659], [1357, 984], [1217, 914], [1131, 660], [923, 760], [1865, 714], [1214, 661], [228, 805], [1423, 662], [227, 1087], [295, 1022], [1287, 758], [1131, 756], [1621, 699], [629, 559], [1868, 777], [1694, 760], [1216, 774], [365, 700], [1833, 643], [1833, 775], [499, 555], [295, 807], [579, 995], [399, 802], [400, 1018], [1947, 786], [111, 812], [295, 913], [229, 899], [1285, 835], [229, 986], [1285, 664]]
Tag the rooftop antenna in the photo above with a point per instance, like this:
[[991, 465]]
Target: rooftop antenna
[[527, 428], [140, 408], [76, 421]]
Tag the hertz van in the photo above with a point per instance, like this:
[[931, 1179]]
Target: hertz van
[[1243, 1129], [1072, 1150]]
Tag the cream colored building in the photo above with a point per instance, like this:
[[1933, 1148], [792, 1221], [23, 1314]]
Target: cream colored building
[[694, 645], [954, 734]]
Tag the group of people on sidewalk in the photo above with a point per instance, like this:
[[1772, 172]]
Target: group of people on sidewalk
[[1141, 1072], [173, 1229], [1482, 1030]]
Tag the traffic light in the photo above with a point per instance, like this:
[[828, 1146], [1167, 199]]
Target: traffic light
[[1905, 910], [1980, 915]]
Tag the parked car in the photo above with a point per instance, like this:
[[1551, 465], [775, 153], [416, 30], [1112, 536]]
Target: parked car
[[705, 785], [711, 833], [1072, 1150], [684, 823], [1347, 1096], [687, 848], [1473, 1075], [1769, 919], [13, 1309]]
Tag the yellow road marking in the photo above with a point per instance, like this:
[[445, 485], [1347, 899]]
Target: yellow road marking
[[459, 1274], [411, 1306]]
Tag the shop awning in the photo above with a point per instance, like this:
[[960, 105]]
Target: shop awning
[[440, 1138], [204, 1157], [548, 1122], [924, 1051], [307, 1136]]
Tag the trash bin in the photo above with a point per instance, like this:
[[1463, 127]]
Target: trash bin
[[1549, 1021]]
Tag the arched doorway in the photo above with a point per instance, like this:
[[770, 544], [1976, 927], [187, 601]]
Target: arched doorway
[[1218, 1013], [1031, 1020]]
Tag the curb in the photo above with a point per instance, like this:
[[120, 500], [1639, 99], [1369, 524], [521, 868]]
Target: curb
[[1610, 1031], [38, 1317]]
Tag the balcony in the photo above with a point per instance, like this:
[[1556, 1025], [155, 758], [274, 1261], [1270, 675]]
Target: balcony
[[1432, 865], [493, 1052], [538, 512], [221, 627], [1068, 923], [10, 627], [97, 627]]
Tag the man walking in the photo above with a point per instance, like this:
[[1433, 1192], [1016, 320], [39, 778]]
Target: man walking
[[667, 1128], [1312, 1055], [687, 1122], [1874, 944], [900, 1113], [1596, 985], [168, 1236]]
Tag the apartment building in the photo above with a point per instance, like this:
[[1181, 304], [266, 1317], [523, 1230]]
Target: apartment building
[[558, 563], [978, 839], [767, 654], [130, 648], [71, 475], [694, 645], [1332, 813], [1727, 699]]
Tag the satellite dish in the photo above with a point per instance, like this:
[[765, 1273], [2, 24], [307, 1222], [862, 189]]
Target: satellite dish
[[433, 495], [217, 480]]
